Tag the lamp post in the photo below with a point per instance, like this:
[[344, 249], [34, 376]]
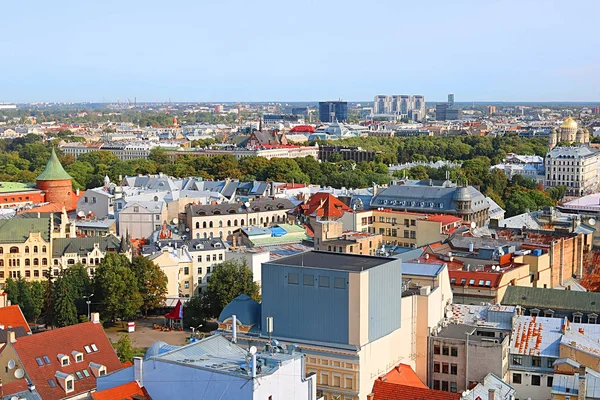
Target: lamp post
[[88, 302]]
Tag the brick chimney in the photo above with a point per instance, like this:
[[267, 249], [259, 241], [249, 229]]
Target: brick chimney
[[581, 384]]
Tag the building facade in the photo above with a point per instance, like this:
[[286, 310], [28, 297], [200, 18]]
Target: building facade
[[410, 106], [332, 111], [139, 219], [577, 168]]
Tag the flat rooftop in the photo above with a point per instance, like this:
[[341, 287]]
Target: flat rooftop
[[459, 331], [336, 261]]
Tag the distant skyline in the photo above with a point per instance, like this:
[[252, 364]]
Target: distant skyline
[[183, 50]]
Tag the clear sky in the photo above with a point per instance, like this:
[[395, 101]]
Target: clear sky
[[263, 50]]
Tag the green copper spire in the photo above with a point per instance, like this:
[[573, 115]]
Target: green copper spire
[[54, 171]]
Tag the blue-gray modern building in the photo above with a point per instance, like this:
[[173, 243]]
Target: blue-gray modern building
[[331, 111]]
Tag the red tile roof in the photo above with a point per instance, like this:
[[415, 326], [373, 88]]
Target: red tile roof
[[476, 276], [444, 219], [15, 387], [65, 341], [12, 316], [324, 205], [403, 375], [122, 392], [393, 391]]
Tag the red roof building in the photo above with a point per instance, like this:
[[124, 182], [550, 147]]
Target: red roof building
[[393, 391], [403, 375], [64, 362], [127, 391], [323, 205], [303, 129], [12, 317]]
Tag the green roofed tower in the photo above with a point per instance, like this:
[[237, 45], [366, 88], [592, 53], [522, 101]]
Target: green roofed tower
[[54, 170], [56, 183]]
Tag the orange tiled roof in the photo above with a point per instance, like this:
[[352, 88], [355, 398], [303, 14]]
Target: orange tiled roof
[[12, 316], [65, 341], [324, 205], [15, 387], [393, 391], [403, 375], [122, 392]]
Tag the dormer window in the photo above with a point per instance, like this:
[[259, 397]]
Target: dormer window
[[63, 359], [66, 381], [77, 356], [97, 369]]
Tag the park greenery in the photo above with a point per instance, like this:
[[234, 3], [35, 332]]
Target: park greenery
[[22, 159], [121, 288], [227, 281]]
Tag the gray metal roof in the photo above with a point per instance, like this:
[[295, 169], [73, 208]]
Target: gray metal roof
[[334, 261], [83, 246], [585, 302], [255, 206], [431, 270]]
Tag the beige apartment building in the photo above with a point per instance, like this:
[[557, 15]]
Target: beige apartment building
[[221, 220], [577, 168], [329, 236], [402, 228]]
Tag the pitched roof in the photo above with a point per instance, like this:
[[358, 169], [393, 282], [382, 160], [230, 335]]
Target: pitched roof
[[125, 391], [17, 230], [65, 341], [54, 170], [536, 336], [83, 246], [225, 208], [585, 302], [324, 205], [403, 374], [12, 316], [393, 391]]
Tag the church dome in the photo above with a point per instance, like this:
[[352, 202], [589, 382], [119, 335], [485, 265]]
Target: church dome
[[462, 194], [569, 123]]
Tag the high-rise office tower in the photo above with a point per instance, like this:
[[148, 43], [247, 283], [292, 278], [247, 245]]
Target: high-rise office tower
[[451, 99], [331, 111], [401, 105]]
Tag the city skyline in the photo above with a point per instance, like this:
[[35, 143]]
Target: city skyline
[[533, 51]]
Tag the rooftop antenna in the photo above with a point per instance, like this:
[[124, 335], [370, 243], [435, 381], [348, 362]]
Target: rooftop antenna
[[270, 327]]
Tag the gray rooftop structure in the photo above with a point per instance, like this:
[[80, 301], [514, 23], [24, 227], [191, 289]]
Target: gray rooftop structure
[[333, 261]]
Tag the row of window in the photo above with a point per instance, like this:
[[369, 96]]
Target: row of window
[[322, 281], [15, 250], [13, 198], [214, 257], [463, 282], [536, 380], [444, 385], [36, 273], [445, 368], [535, 361], [251, 221], [445, 350]]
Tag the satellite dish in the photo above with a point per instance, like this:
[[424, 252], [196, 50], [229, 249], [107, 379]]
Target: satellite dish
[[81, 214], [473, 225], [14, 398], [175, 221], [19, 373], [253, 350], [592, 221], [247, 204], [11, 364]]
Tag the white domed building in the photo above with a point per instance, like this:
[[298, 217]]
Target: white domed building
[[569, 132]]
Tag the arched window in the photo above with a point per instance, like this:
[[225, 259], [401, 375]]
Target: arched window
[[198, 235], [55, 262], [204, 224], [35, 249], [279, 218], [14, 250], [43, 249], [70, 261], [18, 262], [220, 224], [221, 234], [97, 260], [241, 222], [45, 261], [235, 222], [228, 222], [261, 220], [205, 235], [210, 224], [26, 249], [1, 263], [211, 235], [36, 261], [1, 250], [197, 225], [27, 262]]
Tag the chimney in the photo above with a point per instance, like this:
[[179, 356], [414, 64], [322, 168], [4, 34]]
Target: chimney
[[254, 365], [582, 385], [95, 317], [138, 370], [371, 396], [77, 192], [234, 329], [12, 337], [491, 394]]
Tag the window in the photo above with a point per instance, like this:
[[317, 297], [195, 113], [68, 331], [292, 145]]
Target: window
[[186, 270], [199, 270], [79, 375], [517, 360], [445, 386], [454, 351], [536, 361], [517, 378], [549, 381], [339, 283], [445, 368], [39, 361], [436, 349], [436, 384], [51, 383], [436, 367], [480, 282], [453, 387], [471, 281], [577, 318], [453, 369], [348, 383], [324, 281], [46, 360], [308, 280], [214, 257], [69, 384], [136, 209], [220, 257], [337, 381], [292, 279], [186, 284], [86, 373], [94, 347], [79, 358], [592, 318], [550, 363], [64, 361], [536, 380], [445, 350]]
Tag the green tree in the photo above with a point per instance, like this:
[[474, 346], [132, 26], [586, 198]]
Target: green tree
[[228, 280], [194, 312], [124, 348], [81, 285], [152, 283], [116, 288], [64, 311]]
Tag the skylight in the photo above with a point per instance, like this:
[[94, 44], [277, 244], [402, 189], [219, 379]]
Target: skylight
[[86, 373], [87, 349], [39, 361], [79, 375], [46, 360], [472, 282], [488, 283], [51, 383], [94, 347]]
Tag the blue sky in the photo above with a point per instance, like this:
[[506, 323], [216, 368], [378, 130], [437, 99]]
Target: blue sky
[[262, 50]]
